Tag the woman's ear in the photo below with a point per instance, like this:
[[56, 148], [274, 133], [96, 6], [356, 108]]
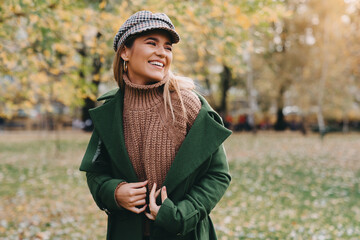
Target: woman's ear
[[125, 53]]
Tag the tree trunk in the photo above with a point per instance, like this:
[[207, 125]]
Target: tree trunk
[[210, 96], [250, 87], [322, 80], [280, 124], [90, 103], [345, 127], [224, 86]]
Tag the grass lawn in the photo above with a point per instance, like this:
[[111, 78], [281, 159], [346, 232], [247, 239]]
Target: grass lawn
[[284, 186]]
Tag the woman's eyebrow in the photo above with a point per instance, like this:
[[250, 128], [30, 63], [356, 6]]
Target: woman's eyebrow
[[152, 38], [157, 40]]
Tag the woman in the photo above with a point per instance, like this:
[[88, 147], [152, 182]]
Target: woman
[[155, 162]]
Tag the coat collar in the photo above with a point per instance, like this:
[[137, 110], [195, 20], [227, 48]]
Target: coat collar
[[108, 122], [205, 136]]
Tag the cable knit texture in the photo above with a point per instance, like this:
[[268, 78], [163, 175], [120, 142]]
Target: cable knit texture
[[152, 138]]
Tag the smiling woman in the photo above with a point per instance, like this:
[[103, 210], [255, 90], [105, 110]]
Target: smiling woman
[[155, 162]]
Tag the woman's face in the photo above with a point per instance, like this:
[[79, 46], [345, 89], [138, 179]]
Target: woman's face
[[149, 58]]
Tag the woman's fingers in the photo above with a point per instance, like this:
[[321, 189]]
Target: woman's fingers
[[137, 191], [138, 210], [138, 184], [163, 194], [149, 216], [152, 195], [157, 193], [131, 195], [139, 199], [136, 198], [140, 202]]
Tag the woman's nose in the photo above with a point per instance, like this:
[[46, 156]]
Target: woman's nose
[[160, 51]]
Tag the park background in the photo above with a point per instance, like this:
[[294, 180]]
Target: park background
[[284, 74]]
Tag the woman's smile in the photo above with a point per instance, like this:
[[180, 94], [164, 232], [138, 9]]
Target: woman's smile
[[157, 64]]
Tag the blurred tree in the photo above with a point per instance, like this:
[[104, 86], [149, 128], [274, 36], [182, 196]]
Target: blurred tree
[[285, 57], [327, 78], [54, 54]]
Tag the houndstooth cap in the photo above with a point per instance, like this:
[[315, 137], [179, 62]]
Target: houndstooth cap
[[143, 21]]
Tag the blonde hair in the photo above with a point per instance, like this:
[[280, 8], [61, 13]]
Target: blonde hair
[[174, 84]]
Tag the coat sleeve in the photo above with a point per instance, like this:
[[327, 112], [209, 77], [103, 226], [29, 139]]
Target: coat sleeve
[[181, 218], [98, 174]]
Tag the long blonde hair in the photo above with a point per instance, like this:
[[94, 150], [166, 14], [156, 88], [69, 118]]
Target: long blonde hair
[[174, 84]]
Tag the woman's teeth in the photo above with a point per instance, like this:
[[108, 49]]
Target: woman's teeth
[[157, 64]]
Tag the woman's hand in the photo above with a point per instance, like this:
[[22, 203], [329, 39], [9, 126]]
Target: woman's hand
[[131, 195], [154, 209]]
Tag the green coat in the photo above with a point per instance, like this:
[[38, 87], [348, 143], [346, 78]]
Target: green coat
[[195, 182]]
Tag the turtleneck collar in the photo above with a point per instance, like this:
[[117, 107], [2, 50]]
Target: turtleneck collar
[[139, 96]]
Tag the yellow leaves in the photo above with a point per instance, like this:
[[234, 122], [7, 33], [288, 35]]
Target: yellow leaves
[[77, 37], [199, 65], [63, 92], [243, 21], [19, 208], [216, 12], [46, 108], [201, 52], [32, 97], [33, 18], [92, 96], [15, 8], [105, 16], [200, 77], [64, 15], [61, 48], [179, 56], [270, 14], [190, 13], [47, 53], [83, 29], [11, 64], [88, 14], [27, 104], [28, 2], [102, 5], [39, 78], [70, 63], [3, 56], [255, 20], [124, 5], [54, 71], [96, 77]]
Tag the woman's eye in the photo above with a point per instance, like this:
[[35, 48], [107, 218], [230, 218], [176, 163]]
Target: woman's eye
[[152, 43], [169, 48]]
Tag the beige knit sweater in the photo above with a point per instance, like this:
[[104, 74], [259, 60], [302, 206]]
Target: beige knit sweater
[[152, 139]]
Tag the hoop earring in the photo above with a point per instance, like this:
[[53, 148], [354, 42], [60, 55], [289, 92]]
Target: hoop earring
[[125, 67]]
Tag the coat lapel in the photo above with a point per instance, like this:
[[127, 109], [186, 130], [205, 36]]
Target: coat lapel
[[108, 123], [204, 137]]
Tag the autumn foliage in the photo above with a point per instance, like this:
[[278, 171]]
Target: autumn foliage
[[55, 56]]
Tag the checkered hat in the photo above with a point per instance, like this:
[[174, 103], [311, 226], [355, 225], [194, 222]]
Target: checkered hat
[[143, 21]]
